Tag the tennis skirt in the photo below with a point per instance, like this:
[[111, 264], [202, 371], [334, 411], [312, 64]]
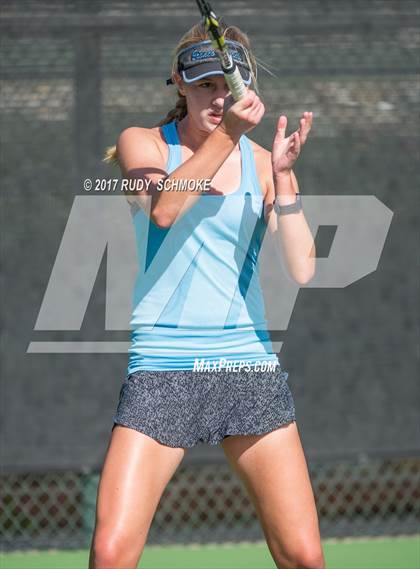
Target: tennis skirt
[[181, 408]]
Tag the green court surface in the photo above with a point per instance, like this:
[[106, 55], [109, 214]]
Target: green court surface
[[390, 553]]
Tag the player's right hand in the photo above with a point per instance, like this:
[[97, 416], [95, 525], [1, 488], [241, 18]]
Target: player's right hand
[[242, 116]]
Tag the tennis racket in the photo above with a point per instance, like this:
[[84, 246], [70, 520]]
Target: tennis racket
[[230, 69]]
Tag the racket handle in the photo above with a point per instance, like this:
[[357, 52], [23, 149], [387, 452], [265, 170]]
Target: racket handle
[[235, 83]]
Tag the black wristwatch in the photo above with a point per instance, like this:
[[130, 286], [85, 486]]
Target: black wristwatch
[[289, 208]]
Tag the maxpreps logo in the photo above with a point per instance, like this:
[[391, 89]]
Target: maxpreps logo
[[99, 226]]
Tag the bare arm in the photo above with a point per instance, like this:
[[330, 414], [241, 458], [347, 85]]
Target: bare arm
[[140, 157], [291, 232]]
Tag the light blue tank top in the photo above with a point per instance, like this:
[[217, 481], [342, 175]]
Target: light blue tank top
[[197, 294]]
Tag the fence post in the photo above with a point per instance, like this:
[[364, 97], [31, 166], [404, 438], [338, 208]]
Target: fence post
[[87, 120]]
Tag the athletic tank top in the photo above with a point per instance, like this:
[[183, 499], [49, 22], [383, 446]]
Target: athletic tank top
[[197, 294]]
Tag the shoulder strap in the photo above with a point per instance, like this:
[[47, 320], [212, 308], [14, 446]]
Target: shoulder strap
[[250, 170], [170, 134]]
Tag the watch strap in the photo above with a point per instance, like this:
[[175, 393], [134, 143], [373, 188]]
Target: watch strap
[[289, 208]]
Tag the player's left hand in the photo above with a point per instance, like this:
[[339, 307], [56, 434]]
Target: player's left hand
[[286, 150]]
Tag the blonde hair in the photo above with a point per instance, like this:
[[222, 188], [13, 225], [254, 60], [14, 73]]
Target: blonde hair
[[195, 34]]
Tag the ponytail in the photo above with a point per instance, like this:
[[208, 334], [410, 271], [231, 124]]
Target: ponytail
[[177, 113], [111, 156]]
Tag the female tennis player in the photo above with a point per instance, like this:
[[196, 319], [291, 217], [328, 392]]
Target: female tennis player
[[201, 365]]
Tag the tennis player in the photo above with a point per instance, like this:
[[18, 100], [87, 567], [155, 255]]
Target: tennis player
[[201, 365]]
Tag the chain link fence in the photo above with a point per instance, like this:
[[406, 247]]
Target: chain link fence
[[208, 503]]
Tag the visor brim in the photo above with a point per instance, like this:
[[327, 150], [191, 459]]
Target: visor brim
[[210, 68]]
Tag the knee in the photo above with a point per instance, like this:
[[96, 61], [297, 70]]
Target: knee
[[308, 558], [312, 560], [104, 554], [302, 557], [107, 552]]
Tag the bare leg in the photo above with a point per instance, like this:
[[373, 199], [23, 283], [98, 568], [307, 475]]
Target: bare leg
[[274, 471], [136, 471]]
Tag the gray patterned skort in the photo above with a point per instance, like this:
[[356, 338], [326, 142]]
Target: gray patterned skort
[[181, 408]]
